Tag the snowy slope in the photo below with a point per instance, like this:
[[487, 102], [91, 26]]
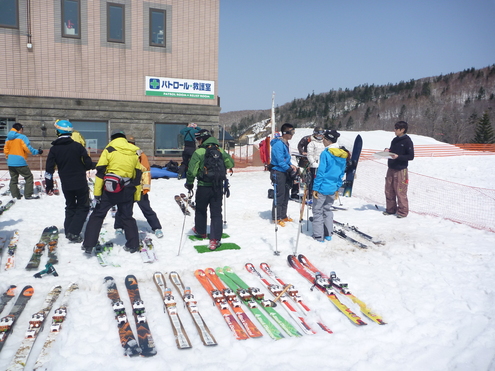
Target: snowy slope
[[433, 283]]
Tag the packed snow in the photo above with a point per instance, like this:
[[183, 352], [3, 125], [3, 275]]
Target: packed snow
[[433, 282]]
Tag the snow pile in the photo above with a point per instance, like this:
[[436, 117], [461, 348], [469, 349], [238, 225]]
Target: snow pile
[[433, 283]]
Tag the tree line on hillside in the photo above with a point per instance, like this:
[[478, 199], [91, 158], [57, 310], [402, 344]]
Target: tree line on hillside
[[453, 108]]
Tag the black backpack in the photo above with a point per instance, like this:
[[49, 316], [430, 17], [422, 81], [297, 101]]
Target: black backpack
[[214, 170]]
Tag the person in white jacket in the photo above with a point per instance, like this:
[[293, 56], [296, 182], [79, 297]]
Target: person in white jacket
[[315, 148]]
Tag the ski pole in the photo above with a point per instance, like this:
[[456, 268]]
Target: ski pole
[[182, 234], [301, 216], [275, 207]]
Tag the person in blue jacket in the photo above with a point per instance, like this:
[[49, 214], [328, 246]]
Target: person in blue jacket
[[188, 133], [329, 178], [282, 174], [17, 148]]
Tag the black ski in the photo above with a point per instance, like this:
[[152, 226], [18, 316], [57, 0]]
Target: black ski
[[350, 172]]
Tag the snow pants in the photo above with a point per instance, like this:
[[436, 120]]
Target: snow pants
[[396, 183], [281, 194], [25, 172], [148, 212], [124, 201], [322, 216], [209, 197], [76, 209]]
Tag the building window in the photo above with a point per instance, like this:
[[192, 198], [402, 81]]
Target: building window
[[9, 13], [94, 132], [115, 23], [5, 125], [168, 139], [157, 27], [71, 18]]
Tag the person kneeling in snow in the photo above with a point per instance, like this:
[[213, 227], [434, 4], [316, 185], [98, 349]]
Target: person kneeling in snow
[[329, 178]]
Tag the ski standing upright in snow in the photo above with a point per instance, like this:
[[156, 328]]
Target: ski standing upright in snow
[[35, 326], [350, 172]]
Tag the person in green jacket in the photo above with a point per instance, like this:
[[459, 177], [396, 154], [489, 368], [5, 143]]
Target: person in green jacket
[[118, 182], [210, 187]]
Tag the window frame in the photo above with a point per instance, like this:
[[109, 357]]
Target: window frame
[[109, 39], [62, 11], [173, 151], [164, 13], [16, 26]]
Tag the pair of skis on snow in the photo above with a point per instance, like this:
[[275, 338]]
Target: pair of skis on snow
[[48, 240], [35, 324], [332, 287], [341, 228]]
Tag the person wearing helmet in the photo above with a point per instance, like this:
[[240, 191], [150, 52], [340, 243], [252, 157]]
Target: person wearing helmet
[[314, 149], [209, 192], [189, 133], [17, 148], [72, 162], [144, 202]]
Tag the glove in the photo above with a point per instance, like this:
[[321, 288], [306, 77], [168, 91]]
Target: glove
[[97, 199], [49, 186], [226, 188], [188, 186], [40, 151]]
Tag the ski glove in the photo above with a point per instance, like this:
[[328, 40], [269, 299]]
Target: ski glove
[[188, 186], [97, 199], [40, 151], [226, 188]]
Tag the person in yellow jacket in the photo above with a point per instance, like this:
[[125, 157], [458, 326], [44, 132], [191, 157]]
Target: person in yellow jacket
[[118, 182], [144, 203]]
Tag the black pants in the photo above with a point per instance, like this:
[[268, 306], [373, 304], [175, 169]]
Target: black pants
[[149, 214], [76, 209], [207, 196], [124, 201], [189, 148], [281, 194]]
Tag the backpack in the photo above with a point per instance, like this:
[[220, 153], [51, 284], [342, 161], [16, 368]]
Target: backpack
[[214, 170], [172, 166]]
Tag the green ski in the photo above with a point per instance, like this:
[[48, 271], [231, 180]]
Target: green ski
[[259, 297]]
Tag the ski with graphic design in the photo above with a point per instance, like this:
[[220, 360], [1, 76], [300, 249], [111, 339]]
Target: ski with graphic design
[[35, 326], [38, 249], [170, 306], [248, 299], [235, 304], [52, 247], [293, 294], [191, 303], [7, 206], [354, 229], [11, 250], [341, 233], [147, 250], [325, 287], [145, 339], [278, 292], [222, 305], [342, 288], [103, 251], [58, 319], [259, 297], [350, 172], [6, 297], [188, 201], [7, 323], [182, 205], [3, 242], [127, 339]]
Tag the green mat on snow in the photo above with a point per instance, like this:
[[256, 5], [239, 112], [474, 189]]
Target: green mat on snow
[[224, 246], [197, 237]]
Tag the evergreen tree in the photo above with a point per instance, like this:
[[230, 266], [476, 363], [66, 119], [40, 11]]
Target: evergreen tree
[[484, 131]]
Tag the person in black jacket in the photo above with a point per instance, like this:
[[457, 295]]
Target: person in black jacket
[[397, 179], [72, 161]]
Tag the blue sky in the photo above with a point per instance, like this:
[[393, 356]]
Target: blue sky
[[295, 47]]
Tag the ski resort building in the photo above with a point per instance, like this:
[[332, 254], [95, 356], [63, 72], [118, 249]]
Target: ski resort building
[[148, 67]]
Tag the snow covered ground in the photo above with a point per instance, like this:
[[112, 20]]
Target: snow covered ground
[[433, 282]]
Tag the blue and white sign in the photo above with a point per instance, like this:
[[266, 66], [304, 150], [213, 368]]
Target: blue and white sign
[[179, 88]]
